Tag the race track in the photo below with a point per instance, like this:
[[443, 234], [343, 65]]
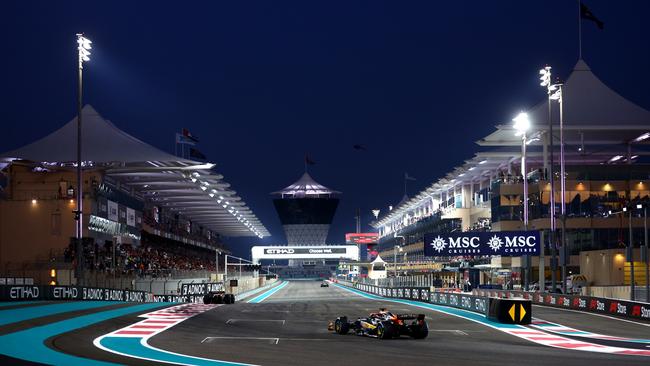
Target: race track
[[289, 327]]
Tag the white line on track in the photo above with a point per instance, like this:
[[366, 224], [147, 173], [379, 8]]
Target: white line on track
[[454, 331], [231, 321], [271, 340]]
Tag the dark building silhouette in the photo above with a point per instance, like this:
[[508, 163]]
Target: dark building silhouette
[[306, 209]]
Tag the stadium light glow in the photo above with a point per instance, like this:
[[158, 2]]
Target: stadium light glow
[[84, 45], [521, 123], [642, 137]]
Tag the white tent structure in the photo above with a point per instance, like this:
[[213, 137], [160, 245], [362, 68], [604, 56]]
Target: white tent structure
[[306, 186], [600, 127], [187, 187]]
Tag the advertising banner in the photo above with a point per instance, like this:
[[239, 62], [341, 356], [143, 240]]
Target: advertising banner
[[130, 216], [361, 238], [504, 243], [614, 307], [200, 288], [36, 292], [112, 211], [305, 252]]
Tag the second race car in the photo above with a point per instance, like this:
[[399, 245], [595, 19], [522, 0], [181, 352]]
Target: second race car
[[383, 325]]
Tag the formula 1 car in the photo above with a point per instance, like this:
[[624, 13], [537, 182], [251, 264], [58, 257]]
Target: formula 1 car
[[384, 325], [324, 284], [218, 297]]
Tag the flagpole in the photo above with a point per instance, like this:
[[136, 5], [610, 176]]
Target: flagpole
[[579, 31]]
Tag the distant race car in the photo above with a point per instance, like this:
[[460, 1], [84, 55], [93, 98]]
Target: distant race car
[[218, 297], [324, 284], [384, 325]]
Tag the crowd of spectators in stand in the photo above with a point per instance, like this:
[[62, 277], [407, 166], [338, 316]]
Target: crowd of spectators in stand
[[147, 259]]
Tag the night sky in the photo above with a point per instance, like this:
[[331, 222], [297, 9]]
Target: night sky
[[261, 83]]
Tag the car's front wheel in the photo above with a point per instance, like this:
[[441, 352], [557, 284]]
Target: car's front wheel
[[341, 325], [385, 330]]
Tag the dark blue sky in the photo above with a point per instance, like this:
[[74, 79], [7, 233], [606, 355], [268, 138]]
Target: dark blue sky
[[263, 82]]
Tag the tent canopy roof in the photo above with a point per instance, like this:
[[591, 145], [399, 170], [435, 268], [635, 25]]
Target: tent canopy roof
[[102, 143], [306, 186], [187, 187]]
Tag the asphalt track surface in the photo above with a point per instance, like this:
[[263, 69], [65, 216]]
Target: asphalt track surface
[[290, 328]]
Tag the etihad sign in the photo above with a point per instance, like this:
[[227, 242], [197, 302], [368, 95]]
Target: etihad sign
[[505, 243]]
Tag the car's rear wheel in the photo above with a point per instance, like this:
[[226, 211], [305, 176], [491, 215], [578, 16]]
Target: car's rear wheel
[[207, 299], [341, 325], [419, 331]]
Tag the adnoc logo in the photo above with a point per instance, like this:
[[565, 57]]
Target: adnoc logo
[[438, 244], [495, 243]]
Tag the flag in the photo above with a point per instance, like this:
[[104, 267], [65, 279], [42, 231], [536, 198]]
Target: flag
[[308, 161], [408, 177], [180, 139], [585, 13], [187, 134], [194, 153]]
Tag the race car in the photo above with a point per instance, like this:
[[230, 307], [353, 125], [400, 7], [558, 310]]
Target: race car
[[218, 297], [384, 325], [324, 284]]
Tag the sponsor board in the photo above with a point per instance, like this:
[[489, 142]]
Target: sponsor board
[[196, 289], [21, 293], [468, 302], [503, 243], [620, 308]]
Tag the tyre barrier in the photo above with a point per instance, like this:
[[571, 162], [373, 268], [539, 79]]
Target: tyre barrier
[[474, 303]]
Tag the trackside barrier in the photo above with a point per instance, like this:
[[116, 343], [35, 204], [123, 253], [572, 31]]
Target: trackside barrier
[[41, 292], [477, 304], [613, 307], [509, 311], [188, 293]]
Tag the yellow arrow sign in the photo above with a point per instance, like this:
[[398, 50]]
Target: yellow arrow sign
[[512, 312], [522, 313]]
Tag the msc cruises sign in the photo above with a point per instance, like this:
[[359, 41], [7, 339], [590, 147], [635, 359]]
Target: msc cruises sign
[[505, 243]]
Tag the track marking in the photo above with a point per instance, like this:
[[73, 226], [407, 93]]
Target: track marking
[[231, 321], [265, 295], [454, 331], [272, 340], [556, 328], [131, 341], [29, 344], [512, 329]]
